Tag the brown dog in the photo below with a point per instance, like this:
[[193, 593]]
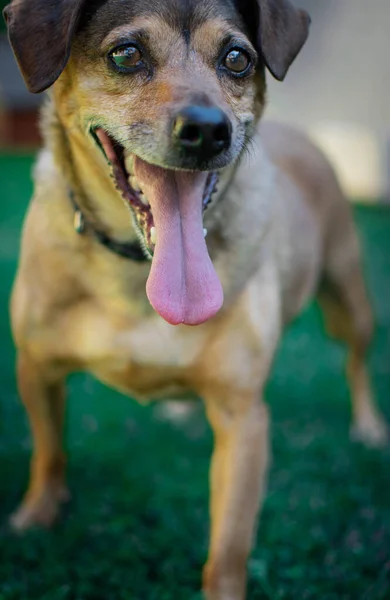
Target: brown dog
[[153, 106]]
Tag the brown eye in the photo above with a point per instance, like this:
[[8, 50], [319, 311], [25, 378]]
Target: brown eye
[[127, 57], [237, 61]]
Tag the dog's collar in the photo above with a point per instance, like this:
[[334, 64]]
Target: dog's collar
[[129, 250]]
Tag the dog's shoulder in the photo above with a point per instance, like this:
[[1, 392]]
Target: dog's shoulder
[[299, 157]]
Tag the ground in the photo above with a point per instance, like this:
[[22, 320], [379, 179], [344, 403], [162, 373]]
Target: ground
[[137, 526]]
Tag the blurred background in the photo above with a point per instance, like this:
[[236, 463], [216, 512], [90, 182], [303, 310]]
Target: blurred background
[[339, 89], [137, 526]]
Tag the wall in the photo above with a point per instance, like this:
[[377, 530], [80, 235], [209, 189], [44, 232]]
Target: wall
[[339, 88]]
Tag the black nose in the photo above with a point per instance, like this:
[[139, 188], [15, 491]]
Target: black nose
[[202, 131]]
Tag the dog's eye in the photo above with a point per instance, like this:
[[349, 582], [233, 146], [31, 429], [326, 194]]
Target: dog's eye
[[127, 57], [237, 61]]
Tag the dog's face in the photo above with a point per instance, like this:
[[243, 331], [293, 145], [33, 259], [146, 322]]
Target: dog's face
[[176, 84], [170, 90]]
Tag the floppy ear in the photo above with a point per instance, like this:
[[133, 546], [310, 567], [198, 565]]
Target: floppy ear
[[281, 31], [40, 32]]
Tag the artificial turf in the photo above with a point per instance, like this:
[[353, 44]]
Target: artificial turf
[[137, 526]]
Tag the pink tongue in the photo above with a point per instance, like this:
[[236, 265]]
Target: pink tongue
[[183, 286]]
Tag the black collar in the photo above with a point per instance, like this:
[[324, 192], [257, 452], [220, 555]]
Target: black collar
[[130, 250]]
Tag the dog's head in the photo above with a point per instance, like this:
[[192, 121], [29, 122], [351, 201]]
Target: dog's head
[[170, 89]]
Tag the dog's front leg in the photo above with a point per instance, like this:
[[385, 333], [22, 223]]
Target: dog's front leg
[[43, 396], [239, 464]]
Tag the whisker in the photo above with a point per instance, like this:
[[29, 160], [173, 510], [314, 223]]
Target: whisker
[[248, 147]]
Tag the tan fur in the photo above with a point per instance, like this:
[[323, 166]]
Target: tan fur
[[279, 228]]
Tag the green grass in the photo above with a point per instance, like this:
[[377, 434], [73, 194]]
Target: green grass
[[137, 526]]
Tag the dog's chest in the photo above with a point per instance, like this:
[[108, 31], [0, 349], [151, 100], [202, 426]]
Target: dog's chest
[[150, 359]]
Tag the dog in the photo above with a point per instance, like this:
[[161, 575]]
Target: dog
[[173, 234]]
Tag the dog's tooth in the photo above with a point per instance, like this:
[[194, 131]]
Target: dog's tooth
[[129, 163], [153, 235], [144, 199], [134, 184], [205, 232]]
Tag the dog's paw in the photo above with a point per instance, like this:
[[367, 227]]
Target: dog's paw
[[374, 433], [39, 511]]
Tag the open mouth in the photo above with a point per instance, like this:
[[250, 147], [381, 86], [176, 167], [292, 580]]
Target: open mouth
[[123, 169], [167, 208]]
